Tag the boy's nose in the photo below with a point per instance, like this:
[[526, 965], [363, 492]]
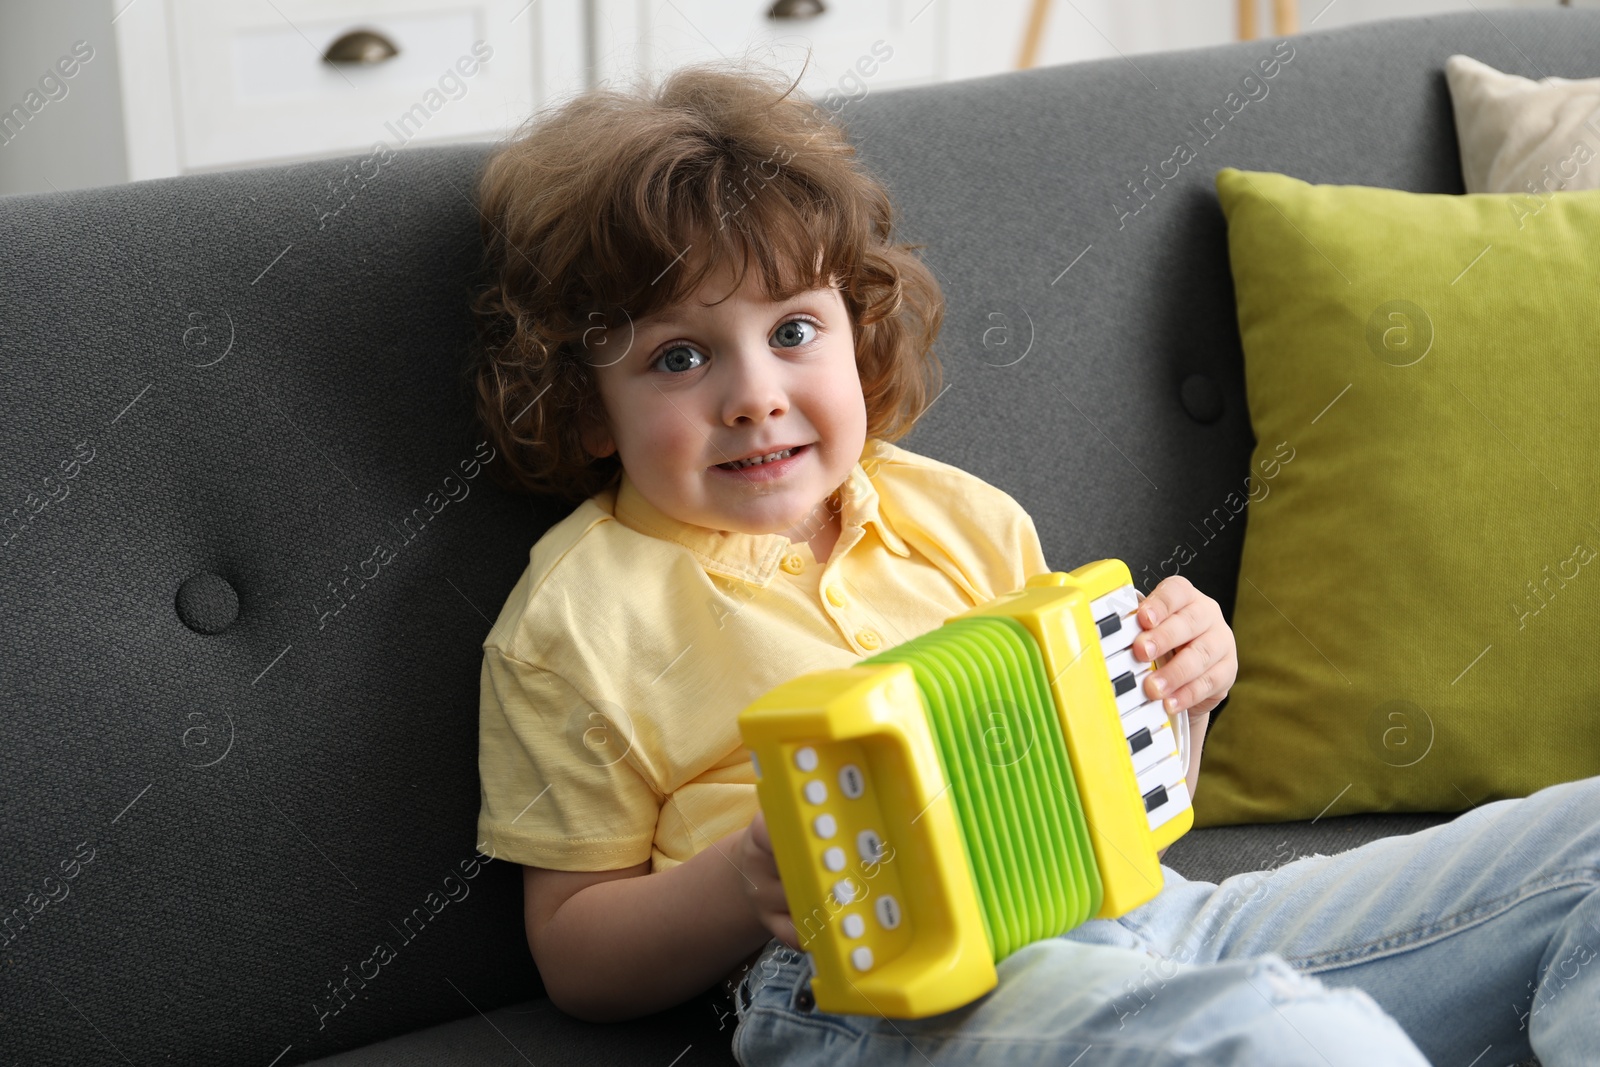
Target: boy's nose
[[756, 389]]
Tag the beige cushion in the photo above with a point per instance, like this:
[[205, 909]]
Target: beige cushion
[[1523, 136]]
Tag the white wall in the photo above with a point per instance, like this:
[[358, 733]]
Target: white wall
[[74, 142], [991, 32]]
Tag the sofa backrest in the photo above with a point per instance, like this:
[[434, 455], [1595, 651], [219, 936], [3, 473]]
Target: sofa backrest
[[249, 554], [1090, 343]]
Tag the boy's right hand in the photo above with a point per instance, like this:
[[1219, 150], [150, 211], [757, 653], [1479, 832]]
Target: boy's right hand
[[763, 888]]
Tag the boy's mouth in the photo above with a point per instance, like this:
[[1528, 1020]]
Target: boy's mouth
[[770, 459]]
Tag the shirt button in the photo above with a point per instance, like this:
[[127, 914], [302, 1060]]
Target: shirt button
[[867, 638], [836, 598], [793, 563]]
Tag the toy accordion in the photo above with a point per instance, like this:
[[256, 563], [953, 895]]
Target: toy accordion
[[995, 781]]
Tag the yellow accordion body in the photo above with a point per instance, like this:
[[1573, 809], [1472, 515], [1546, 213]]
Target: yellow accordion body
[[996, 781]]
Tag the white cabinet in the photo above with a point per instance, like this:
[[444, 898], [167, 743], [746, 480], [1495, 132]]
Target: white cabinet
[[211, 84]]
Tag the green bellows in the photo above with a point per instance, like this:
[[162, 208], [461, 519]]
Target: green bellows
[[1002, 751]]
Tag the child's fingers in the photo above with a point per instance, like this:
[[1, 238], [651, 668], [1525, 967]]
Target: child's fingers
[[1170, 595], [1206, 690], [781, 926], [1187, 667], [1177, 629], [1188, 695]]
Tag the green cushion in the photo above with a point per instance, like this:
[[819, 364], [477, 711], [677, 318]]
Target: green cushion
[[1418, 594]]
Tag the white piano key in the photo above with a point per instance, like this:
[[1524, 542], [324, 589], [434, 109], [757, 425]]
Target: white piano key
[[1123, 663], [1122, 600], [1119, 605], [1149, 720], [1165, 747], [1122, 637], [1177, 801], [1150, 715], [1163, 773]]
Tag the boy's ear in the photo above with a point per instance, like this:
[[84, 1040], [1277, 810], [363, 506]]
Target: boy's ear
[[596, 439]]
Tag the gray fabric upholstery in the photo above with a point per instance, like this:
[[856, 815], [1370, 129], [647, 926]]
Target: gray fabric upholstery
[[1219, 852], [265, 736]]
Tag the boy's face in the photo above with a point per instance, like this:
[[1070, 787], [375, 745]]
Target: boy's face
[[700, 386]]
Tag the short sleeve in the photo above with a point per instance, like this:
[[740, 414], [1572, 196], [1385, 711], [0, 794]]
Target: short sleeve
[[1006, 547], [1029, 552], [557, 788], [975, 531]]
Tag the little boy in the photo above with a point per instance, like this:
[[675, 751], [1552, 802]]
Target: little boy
[[699, 331], [753, 524]]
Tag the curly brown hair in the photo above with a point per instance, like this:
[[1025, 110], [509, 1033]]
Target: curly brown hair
[[584, 209]]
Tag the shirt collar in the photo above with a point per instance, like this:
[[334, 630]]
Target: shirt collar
[[754, 557]]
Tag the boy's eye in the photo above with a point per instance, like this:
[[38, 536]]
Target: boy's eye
[[675, 358], [785, 335]]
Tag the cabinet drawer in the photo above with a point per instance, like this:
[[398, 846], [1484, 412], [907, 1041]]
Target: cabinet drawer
[[251, 84], [901, 42]]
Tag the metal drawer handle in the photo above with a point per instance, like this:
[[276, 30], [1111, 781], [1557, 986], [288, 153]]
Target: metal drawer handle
[[795, 10], [362, 46]]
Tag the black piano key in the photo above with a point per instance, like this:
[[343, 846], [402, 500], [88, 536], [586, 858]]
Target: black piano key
[[1155, 798], [1139, 740], [1122, 684], [1110, 624]]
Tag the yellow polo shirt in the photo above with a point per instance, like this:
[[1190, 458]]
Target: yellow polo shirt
[[613, 678]]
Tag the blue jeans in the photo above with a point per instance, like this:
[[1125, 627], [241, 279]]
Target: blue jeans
[[1469, 943]]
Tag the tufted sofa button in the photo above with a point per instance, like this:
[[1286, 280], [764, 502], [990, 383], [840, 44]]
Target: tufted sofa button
[[1201, 398], [207, 603]]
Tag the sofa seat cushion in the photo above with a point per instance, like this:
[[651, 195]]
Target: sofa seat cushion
[[698, 1033], [1215, 853]]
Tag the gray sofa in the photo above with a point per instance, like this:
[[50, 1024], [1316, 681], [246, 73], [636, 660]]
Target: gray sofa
[[249, 553]]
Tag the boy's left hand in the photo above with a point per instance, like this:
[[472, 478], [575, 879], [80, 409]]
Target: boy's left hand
[[1204, 660]]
